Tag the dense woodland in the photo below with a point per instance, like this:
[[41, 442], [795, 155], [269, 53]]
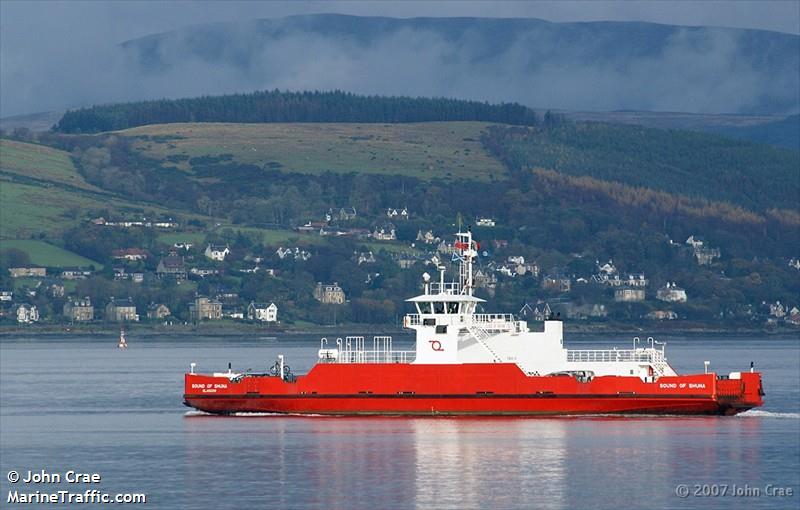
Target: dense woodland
[[277, 106], [704, 166]]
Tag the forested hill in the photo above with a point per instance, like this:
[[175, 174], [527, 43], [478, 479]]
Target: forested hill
[[278, 106]]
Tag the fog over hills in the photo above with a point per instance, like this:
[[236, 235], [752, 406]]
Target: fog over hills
[[591, 66]]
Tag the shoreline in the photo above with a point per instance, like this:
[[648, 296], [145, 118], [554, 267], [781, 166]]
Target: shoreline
[[222, 330]]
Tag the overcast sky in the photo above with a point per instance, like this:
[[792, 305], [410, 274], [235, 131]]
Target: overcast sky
[[36, 38]]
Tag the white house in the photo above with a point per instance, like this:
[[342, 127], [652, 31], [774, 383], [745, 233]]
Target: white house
[[217, 252], [485, 222], [27, 314], [262, 312], [397, 213], [671, 293]]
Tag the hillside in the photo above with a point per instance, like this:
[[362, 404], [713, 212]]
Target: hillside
[[425, 150], [696, 165], [562, 194]]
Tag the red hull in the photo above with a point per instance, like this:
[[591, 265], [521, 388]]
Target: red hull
[[481, 389]]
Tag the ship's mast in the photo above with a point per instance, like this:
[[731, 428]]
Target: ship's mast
[[466, 249]]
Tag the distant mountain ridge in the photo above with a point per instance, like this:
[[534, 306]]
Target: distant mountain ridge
[[578, 66]]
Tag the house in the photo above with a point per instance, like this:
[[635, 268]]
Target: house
[[27, 272], [262, 312], [297, 253], [204, 308], [671, 293], [397, 213], [628, 295], [364, 257], [331, 294], [636, 280], [56, 289], [341, 214], [183, 246], [704, 254], [500, 244], [485, 280], [6, 295], [312, 226], [661, 315], [158, 311], [231, 304], [777, 310], [202, 272], [121, 310], [79, 310], [557, 282], [217, 252], [485, 222], [171, 266], [121, 274], [130, 254], [75, 273], [795, 263], [26, 314], [427, 237], [793, 317], [542, 312], [385, 232]]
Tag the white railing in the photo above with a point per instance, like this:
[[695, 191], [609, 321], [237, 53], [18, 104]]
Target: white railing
[[616, 356], [352, 349], [445, 288], [373, 357], [493, 322]]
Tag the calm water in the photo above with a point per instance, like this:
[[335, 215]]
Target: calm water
[[79, 403]]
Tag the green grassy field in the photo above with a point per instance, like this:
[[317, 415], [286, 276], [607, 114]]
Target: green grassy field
[[182, 237], [40, 162], [428, 150], [46, 254], [59, 198]]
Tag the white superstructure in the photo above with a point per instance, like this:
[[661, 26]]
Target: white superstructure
[[448, 330]]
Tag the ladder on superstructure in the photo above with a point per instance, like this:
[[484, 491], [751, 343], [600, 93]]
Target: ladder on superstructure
[[481, 335]]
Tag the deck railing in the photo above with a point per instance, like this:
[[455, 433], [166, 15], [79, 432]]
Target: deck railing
[[352, 349], [617, 355]]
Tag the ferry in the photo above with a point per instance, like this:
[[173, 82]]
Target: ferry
[[469, 363]]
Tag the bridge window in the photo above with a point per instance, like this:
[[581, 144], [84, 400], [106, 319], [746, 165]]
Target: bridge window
[[438, 307], [452, 307]]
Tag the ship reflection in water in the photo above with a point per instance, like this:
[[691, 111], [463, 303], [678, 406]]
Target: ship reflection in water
[[321, 462]]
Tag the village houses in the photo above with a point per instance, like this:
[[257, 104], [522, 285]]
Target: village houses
[[172, 266], [329, 294], [217, 252], [204, 308], [158, 311], [27, 314], [397, 213], [629, 295], [75, 273], [121, 310], [385, 232], [79, 310], [262, 312], [27, 272], [130, 254], [671, 293]]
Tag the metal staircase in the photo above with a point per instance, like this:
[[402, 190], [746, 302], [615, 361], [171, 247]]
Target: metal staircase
[[481, 335]]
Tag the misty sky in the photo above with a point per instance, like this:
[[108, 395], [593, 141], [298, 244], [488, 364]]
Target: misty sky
[[42, 43]]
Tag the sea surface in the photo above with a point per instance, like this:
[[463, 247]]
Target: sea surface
[[72, 403]]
